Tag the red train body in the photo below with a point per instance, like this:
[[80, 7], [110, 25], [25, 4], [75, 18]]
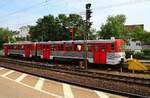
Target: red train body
[[98, 51]]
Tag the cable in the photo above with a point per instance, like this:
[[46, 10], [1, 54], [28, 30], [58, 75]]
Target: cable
[[122, 4], [83, 11], [24, 9]]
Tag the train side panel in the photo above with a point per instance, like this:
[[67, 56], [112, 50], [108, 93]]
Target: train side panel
[[5, 50]]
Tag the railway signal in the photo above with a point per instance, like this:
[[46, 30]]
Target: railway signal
[[88, 25], [88, 11], [88, 16]]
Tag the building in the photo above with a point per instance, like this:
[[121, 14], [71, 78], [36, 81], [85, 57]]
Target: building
[[134, 45], [22, 34]]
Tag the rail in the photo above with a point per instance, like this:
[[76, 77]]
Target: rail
[[121, 84]]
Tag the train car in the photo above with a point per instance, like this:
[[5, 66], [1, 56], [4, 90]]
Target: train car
[[110, 51], [24, 49], [98, 51]]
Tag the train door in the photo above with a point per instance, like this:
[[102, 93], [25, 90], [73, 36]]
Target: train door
[[27, 50], [96, 56], [46, 51], [102, 53], [5, 50]]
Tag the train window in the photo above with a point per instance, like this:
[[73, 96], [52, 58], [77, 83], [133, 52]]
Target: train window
[[15, 47], [56, 47], [89, 48], [12, 46], [122, 47], [61, 47], [96, 48], [48, 46], [103, 47], [77, 47], [53, 47], [40, 47], [44, 46], [22, 46], [112, 46], [68, 47]]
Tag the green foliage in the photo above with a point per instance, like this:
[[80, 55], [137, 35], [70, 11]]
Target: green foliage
[[139, 55], [145, 37], [114, 27], [57, 28], [11, 39], [136, 33], [129, 53], [5, 34], [146, 52]]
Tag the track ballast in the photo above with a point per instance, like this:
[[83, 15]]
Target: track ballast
[[114, 83]]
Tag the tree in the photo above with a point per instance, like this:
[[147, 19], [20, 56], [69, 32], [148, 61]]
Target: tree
[[5, 36], [44, 29], [114, 27], [145, 37], [57, 28], [137, 33]]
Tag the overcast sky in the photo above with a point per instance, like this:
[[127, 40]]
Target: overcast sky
[[16, 13]]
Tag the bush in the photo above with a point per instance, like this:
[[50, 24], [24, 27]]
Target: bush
[[139, 55], [146, 52], [147, 57], [129, 53]]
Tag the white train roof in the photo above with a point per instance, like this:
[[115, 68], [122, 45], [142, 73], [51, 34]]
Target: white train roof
[[19, 43], [76, 42], [67, 42]]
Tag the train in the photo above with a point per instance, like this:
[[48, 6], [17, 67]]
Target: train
[[105, 51]]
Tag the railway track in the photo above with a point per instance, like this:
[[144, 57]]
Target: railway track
[[146, 62], [128, 85]]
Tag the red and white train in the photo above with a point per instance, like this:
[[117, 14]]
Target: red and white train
[[109, 51]]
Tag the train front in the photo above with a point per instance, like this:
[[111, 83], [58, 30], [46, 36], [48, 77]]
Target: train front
[[118, 54]]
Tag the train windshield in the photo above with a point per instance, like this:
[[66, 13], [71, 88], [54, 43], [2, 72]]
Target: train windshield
[[122, 47]]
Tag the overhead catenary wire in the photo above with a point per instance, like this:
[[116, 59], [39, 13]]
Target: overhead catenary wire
[[132, 2], [24, 9], [41, 4]]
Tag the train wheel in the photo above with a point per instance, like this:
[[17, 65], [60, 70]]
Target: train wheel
[[81, 64]]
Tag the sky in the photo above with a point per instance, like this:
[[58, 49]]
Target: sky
[[17, 13]]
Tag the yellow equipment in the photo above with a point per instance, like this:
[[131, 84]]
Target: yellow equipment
[[135, 65]]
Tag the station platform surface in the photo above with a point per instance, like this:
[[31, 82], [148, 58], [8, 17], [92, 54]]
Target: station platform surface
[[14, 84]]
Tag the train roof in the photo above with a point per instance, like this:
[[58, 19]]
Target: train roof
[[67, 42], [19, 43], [76, 41]]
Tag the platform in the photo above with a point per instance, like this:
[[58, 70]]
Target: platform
[[20, 85]]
